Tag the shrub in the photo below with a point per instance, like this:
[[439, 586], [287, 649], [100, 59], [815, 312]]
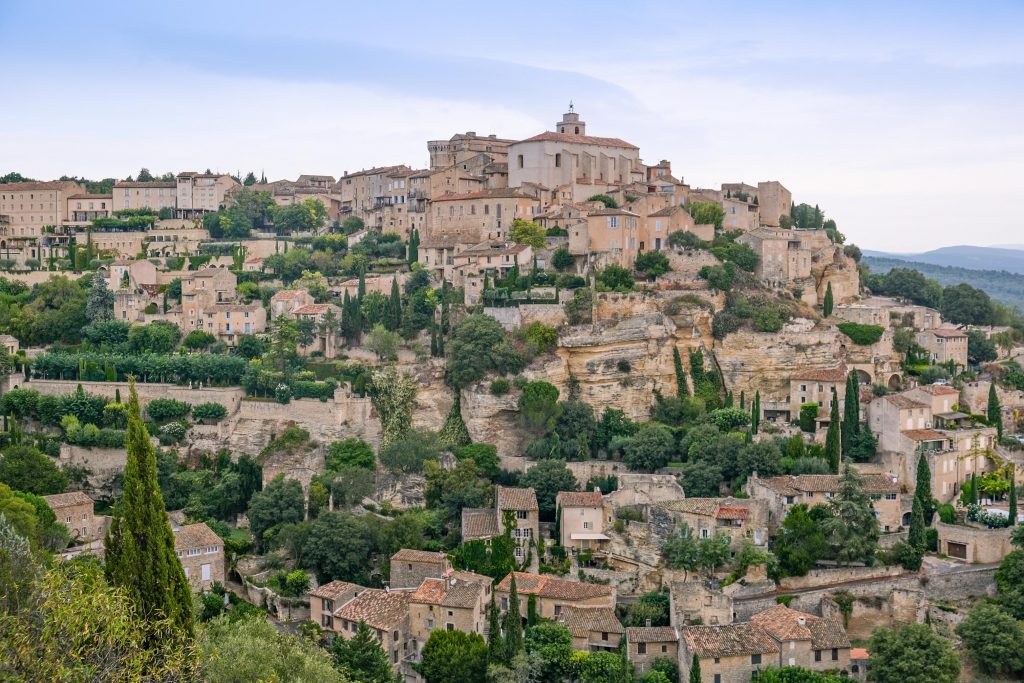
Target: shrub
[[163, 409], [624, 366], [543, 337], [561, 259], [768, 320], [947, 513], [862, 335], [579, 310], [686, 240], [652, 264], [719, 277], [808, 416], [351, 452], [931, 539], [615, 278], [209, 411], [197, 339], [608, 201], [500, 387], [151, 309], [725, 323]]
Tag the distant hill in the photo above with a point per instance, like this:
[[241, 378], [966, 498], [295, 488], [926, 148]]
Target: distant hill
[[1008, 258], [999, 284]]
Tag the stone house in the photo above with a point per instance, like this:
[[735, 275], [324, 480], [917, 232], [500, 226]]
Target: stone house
[[645, 644], [373, 283], [945, 344], [479, 216], [201, 552], [459, 601], [198, 193], [693, 602], [888, 312], [733, 653], [609, 237], [815, 385], [86, 207], [582, 519], [593, 629], [155, 195], [325, 319], [553, 594], [9, 344], [209, 303], [774, 200], [387, 615], [892, 414], [739, 518], [493, 257], [75, 511], [974, 544], [663, 222], [783, 492], [287, 300], [806, 640], [486, 523], [325, 599], [410, 567], [27, 207]]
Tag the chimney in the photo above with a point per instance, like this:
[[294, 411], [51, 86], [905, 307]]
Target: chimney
[[647, 623], [802, 621]]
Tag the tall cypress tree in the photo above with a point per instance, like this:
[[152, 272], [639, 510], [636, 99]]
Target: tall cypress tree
[[851, 413], [677, 362], [513, 623], [361, 291], [1013, 495], [974, 490], [495, 643], [414, 246], [695, 671], [916, 535], [743, 400], [827, 305], [393, 319], [696, 368], [139, 546], [755, 413], [995, 414], [923, 488], [833, 445]]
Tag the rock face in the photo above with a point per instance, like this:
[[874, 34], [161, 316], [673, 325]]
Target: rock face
[[752, 361]]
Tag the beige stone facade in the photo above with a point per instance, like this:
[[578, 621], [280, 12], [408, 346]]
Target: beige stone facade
[[646, 644], [387, 615], [326, 599], [154, 195], [944, 345], [553, 594], [462, 148], [775, 201], [410, 567], [582, 519], [197, 193], [208, 303], [742, 519], [479, 216], [520, 505], [457, 601], [974, 544], [782, 493], [201, 552], [816, 386], [806, 640], [75, 511], [730, 653], [593, 629], [26, 208]]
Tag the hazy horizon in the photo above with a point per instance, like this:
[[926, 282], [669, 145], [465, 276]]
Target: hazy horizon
[[899, 120]]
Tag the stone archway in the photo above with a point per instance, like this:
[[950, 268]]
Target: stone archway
[[895, 382], [864, 378]]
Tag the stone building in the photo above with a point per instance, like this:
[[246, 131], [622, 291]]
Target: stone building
[[608, 237], [201, 552], [775, 201], [945, 344], [646, 644], [782, 493], [387, 615], [593, 629], [486, 523], [26, 208], [475, 217], [85, 208], [198, 193], [209, 303], [739, 518], [806, 640], [155, 195], [660, 224], [694, 602], [410, 567], [553, 594], [326, 599], [815, 385], [582, 519], [75, 511], [974, 543], [462, 149], [459, 601], [732, 653]]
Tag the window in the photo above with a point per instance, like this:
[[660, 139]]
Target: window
[[641, 648], [755, 659], [205, 572], [817, 655], [449, 627], [604, 635], [521, 514], [326, 621], [664, 648], [613, 221], [835, 654], [558, 160], [394, 637], [588, 525], [520, 160], [558, 610], [718, 677]]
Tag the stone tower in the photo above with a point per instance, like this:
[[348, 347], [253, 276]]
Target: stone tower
[[571, 124]]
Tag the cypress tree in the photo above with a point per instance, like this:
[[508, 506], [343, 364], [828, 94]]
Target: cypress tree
[[117, 395], [531, 610], [1013, 495], [681, 388], [393, 318], [362, 283], [974, 490], [695, 671], [495, 643], [833, 445], [743, 400], [139, 546], [995, 416], [728, 400], [755, 412], [513, 623], [923, 487], [414, 246], [827, 305], [916, 535], [851, 413]]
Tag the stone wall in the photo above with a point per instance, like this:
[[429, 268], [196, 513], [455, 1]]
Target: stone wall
[[758, 361], [104, 464], [549, 314], [826, 577], [229, 397], [586, 470]]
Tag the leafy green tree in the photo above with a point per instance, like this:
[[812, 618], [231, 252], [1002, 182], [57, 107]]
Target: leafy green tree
[[25, 468], [796, 674], [479, 345], [966, 305], [100, 305], [755, 413], [799, 543], [602, 667], [912, 654], [351, 452], [994, 412], [527, 232], [916, 535], [451, 490], [652, 264], [139, 547], [408, 454], [362, 658], [550, 645], [615, 278], [681, 550], [337, 548], [484, 456], [993, 639], [1012, 502], [1010, 583], [547, 478], [649, 449], [453, 657], [384, 343], [923, 489], [833, 445], [677, 363], [652, 607], [706, 213], [695, 676], [852, 530], [281, 502], [980, 349], [561, 259], [828, 303], [393, 318], [496, 651], [538, 406]]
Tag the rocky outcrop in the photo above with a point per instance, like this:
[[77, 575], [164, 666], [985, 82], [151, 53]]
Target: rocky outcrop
[[762, 361]]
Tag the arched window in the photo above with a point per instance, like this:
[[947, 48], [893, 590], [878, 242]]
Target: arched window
[[577, 130]]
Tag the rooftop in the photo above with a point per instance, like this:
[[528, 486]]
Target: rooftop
[[63, 500], [652, 634], [836, 375], [547, 586], [903, 402], [499, 193], [550, 136], [582, 620], [334, 589], [580, 499], [729, 640], [196, 536], [823, 483], [516, 498], [449, 592], [380, 609], [788, 624], [410, 555], [479, 523], [938, 389]]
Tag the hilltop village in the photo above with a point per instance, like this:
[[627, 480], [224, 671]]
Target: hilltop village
[[538, 411]]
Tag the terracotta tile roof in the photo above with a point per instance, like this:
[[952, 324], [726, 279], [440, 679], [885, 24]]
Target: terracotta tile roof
[[859, 653], [516, 498], [315, 309], [63, 500], [923, 435], [288, 294], [667, 211], [499, 193], [580, 499], [143, 185], [479, 523], [946, 333], [410, 555], [731, 512], [450, 592], [938, 389], [380, 609], [828, 633], [377, 170], [903, 402], [582, 620], [196, 536], [334, 589], [652, 634], [823, 483], [550, 136], [784, 623], [837, 374], [694, 506], [255, 259], [728, 641], [319, 178], [546, 586]]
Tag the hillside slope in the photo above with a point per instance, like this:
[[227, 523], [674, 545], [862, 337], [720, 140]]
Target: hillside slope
[[964, 256], [999, 284]]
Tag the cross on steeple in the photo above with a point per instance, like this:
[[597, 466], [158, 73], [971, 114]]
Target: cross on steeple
[[570, 106]]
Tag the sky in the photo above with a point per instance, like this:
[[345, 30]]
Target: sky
[[900, 120]]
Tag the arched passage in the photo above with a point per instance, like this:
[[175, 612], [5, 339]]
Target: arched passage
[[863, 378], [895, 382]]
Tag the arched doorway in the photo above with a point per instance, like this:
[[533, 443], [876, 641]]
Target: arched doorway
[[863, 378], [895, 382]]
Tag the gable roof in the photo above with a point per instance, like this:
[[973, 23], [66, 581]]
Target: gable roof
[[938, 389], [196, 536], [334, 589], [479, 523], [551, 136], [546, 586], [784, 624], [516, 498], [380, 609], [63, 500], [582, 620], [450, 592], [903, 402], [823, 483], [836, 374], [667, 211], [410, 555], [579, 499], [652, 634], [728, 640]]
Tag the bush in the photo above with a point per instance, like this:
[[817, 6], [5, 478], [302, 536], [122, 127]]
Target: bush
[[808, 416], [197, 339], [931, 539], [947, 513], [163, 409], [719, 277], [615, 278], [151, 309], [608, 201], [652, 264], [561, 259], [862, 335], [725, 323], [624, 366], [351, 452], [686, 240], [768, 320], [500, 387], [209, 411], [580, 309], [544, 338]]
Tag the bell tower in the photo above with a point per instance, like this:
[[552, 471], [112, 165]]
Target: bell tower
[[571, 123]]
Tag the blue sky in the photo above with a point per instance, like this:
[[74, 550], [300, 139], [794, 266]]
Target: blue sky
[[901, 120]]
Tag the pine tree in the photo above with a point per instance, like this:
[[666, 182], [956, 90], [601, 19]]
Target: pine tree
[[681, 388], [827, 305], [916, 535], [100, 304], [923, 488], [139, 546], [393, 317], [833, 445], [995, 416], [362, 656], [695, 671], [513, 623], [1013, 495], [495, 644], [851, 413]]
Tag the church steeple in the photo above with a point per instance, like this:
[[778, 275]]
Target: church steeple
[[570, 123]]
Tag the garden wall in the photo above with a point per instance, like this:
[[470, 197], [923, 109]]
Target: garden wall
[[229, 397]]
